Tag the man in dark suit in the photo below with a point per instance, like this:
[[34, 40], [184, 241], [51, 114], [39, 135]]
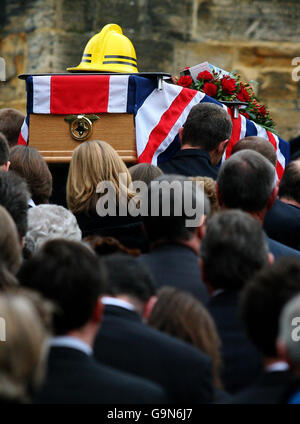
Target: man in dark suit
[[282, 221], [73, 277], [261, 304], [246, 181], [174, 256], [233, 249], [204, 138], [126, 342]]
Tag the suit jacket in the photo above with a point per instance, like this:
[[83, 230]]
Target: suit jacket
[[178, 266], [282, 223], [271, 388], [281, 250], [126, 343], [74, 377], [242, 363], [190, 162], [127, 229]]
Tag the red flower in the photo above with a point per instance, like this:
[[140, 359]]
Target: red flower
[[205, 75], [185, 81], [262, 110], [228, 85], [243, 95], [210, 89]]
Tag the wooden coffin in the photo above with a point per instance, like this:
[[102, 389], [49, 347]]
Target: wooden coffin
[[52, 136]]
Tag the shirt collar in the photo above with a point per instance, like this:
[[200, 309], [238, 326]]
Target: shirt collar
[[113, 301], [72, 342], [277, 366]]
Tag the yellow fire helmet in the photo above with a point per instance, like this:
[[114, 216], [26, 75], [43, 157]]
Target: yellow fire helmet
[[108, 51]]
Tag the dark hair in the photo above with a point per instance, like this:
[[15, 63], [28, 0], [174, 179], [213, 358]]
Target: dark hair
[[127, 275], [4, 150], [108, 245], [233, 249], [246, 181], [11, 121], [14, 197], [69, 274], [165, 193], [179, 314], [258, 144], [144, 172], [263, 299], [207, 125], [290, 182], [29, 164]]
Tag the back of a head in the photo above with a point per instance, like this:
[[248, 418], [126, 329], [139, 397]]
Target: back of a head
[[27, 162], [127, 276], [4, 150], [207, 125], [289, 324], [48, 222], [10, 249], [11, 121], [290, 182], [144, 172], [210, 190], [233, 249], [93, 162], [14, 197], [22, 353], [176, 206], [263, 299], [258, 144], [181, 315], [108, 245], [246, 181], [69, 274]]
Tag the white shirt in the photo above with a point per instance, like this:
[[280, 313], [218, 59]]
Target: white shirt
[[278, 366], [73, 342], [113, 301]]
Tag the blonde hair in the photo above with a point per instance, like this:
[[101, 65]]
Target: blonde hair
[[22, 354], [210, 190], [93, 162]]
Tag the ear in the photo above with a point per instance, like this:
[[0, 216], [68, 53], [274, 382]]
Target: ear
[[180, 134], [98, 312], [282, 352], [201, 230], [271, 258], [6, 166], [222, 146], [149, 305], [272, 198]]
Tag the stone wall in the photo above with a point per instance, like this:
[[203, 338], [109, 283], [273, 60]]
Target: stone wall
[[257, 38]]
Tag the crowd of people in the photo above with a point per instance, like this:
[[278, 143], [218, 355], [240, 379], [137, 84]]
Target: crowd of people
[[186, 292]]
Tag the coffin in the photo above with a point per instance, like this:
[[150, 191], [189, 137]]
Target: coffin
[[55, 106]]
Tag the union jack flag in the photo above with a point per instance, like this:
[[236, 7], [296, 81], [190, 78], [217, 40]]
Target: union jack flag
[[159, 112]]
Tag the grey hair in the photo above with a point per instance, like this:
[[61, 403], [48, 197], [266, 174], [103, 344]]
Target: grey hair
[[288, 328], [48, 222]]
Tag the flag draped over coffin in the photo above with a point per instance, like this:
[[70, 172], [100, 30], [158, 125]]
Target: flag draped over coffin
[[158, 113]]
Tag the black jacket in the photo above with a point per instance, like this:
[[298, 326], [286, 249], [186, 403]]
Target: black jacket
[[271, 388], [74, 377], [126, 343], [281, 250], [282, 223], [177, 266], [242, 363], [190, 162]]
